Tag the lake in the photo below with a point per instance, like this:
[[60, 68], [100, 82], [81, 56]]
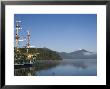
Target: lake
[[65, 67]]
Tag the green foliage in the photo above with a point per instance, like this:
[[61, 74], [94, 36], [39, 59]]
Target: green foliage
[[21, 56]]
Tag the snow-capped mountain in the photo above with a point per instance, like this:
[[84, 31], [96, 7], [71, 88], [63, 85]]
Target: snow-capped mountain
[[79, 54]]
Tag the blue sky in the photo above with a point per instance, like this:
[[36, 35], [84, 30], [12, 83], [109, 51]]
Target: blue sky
[[60, 32]]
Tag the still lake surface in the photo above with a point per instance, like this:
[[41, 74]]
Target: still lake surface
[[65, 67]]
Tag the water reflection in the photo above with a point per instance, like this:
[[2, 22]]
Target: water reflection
[[40, 65], [59, 68], [75, 63]]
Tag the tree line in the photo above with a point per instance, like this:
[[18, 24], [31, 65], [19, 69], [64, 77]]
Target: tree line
[[25, 55]]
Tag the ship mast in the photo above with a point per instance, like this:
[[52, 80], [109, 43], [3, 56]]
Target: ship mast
[[28, 40], [17, 34]]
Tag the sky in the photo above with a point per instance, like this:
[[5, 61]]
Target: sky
[[59, 32]]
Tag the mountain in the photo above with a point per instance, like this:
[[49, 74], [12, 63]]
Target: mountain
[[79, 54]]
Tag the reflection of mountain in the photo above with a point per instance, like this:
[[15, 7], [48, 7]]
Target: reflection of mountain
[[40, 65], [59, 68], [79, 54], [78, 64]]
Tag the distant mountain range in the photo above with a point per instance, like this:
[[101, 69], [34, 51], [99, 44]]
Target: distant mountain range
[[79, 54]]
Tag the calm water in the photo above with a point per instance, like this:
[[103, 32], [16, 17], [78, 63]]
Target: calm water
[[65, 67]]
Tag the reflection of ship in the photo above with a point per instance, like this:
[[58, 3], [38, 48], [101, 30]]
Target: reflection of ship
[[34, 70]]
